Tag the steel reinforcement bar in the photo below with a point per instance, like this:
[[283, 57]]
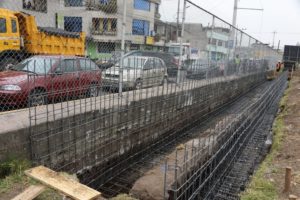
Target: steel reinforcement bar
[[205, 182]]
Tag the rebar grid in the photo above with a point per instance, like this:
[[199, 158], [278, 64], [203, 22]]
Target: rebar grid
[[104, 99], [201, 181]]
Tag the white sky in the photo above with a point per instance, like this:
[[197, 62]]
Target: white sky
[[278, 15]]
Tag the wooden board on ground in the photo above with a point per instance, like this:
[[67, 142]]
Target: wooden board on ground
[[30, 193], [65, 185]]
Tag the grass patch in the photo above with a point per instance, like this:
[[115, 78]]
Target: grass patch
[[12, 172], [12, 175], [260, 188]]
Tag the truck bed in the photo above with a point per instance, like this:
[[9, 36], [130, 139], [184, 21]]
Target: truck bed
[[58, 32]]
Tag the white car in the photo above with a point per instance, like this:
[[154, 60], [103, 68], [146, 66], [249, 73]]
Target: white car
[[138, 72]]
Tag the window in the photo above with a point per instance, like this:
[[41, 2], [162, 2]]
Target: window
[[35, 5], [73, 3], [36, 64], [133, 62], [14, 26], [106, 47], [149, 64], [220, 43], [87, 65], [158, 64], [140, 27], [104, 2], [142, 5], [3, 25], [104, 26], [214, 42], [69, 65], [73, 24], [114, 24]]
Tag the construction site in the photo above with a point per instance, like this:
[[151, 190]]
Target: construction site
[[112, 101]]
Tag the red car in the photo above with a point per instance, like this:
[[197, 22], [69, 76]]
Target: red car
[[40, 79]]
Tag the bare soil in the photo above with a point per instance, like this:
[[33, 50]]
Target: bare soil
[[289, 153], [162, 175]]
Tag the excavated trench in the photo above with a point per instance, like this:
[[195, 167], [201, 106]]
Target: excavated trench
[[147, 177]]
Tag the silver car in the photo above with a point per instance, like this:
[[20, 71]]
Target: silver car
[[138, 72]]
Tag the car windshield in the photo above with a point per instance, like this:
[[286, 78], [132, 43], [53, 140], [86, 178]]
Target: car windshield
[[174, 50], [133, 62], [35, 65]]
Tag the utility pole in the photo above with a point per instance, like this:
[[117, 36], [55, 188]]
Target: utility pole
[[122, 48], [181, 48], [235, 8], [234, 13], [234, 21], [177, 30]]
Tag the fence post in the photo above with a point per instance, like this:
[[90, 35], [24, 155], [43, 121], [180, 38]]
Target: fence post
[[287, 184], [122, 48]]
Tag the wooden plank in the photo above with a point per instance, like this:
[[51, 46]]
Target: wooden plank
[[30, 193], [65, 185]]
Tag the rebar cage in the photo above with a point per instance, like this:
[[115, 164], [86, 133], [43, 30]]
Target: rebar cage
[[105, 89]]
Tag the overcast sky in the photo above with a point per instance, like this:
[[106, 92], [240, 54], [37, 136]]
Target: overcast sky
[[278, 15]]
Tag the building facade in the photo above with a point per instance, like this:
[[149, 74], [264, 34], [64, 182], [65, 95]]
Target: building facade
[[101, 20], [207, 41]]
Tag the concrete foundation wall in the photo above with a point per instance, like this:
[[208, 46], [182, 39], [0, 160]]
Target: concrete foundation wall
[[110, 133]]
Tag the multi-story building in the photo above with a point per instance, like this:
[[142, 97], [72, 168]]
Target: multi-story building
[[208, 41], [101, 20], [218, 44]]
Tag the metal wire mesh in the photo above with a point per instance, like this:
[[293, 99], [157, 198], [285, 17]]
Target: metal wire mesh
[[101, 88], [218, 166]]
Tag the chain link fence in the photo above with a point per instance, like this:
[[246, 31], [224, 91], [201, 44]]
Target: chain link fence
[[106, 82]]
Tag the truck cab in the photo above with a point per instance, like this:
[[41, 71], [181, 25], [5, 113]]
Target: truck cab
[[9, 32], [21, 37], [189, 54]]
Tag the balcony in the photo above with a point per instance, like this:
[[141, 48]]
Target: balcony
[[110, 7], [107, 33], [155, 1]]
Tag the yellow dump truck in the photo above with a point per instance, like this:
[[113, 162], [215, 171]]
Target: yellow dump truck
[[20, 37]]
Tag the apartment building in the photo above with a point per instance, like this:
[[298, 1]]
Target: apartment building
[[100, 19], [207, 41]]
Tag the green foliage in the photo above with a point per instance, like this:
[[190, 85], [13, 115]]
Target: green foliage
[[12, 171], [13, 166]]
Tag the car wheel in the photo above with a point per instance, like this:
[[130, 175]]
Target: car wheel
[[138, 84], [93, 90], [37, 97]]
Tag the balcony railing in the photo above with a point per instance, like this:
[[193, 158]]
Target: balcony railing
[[108, 33], [155, 1], [111, 7]]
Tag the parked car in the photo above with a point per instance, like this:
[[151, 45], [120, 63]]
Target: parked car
[[197, 69], [40, 79], [170, 61], [138, 72], [105, 63]]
